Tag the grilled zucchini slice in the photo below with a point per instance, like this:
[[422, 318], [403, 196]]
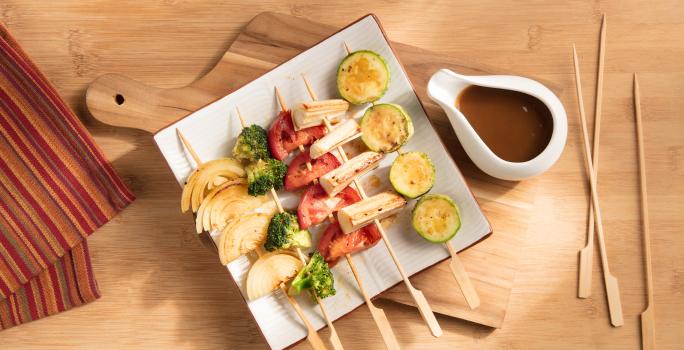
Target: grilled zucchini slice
[[362, 77], [412, 174], [386, 127], [436, 218]]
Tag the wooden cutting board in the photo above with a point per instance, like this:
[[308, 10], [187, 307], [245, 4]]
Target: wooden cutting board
[[270, 39]]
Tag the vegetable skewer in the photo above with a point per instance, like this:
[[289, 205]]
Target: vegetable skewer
[[313, 337], [334, 338], [377, 313], [456, 266], [417, 295]]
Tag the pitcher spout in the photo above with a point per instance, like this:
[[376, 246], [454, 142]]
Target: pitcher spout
[[443, 88], [445, 85]]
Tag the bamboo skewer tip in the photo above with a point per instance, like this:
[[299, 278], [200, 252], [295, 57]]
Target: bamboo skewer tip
[[189, 147], [283, 106], [310, 89], [346, 47]]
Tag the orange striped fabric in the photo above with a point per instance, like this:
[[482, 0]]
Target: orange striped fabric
[[56, 188]]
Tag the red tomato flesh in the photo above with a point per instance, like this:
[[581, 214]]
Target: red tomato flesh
[[283, 139], [315, 205], [298, 175], [334, 244]]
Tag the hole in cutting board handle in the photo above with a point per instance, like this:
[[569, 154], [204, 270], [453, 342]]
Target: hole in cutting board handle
[[119, 99]]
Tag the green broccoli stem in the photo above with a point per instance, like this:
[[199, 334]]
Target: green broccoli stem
[[284, 232], [315, 277], [301, 239], [252, 144], [263, 175], [301, 284]]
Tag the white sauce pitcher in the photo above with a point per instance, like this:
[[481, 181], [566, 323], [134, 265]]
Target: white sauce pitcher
[[445, 86]]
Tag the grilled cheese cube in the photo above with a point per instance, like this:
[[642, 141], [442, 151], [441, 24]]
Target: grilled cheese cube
[[309, 114], [341, 134], [336, 180], [359, 214]]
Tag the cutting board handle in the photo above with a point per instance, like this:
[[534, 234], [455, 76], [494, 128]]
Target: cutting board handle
[[118, 100]]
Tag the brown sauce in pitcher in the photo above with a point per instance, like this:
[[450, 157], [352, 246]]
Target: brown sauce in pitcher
[[515, 126]]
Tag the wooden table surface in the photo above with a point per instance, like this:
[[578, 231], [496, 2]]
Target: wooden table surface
[[162, 289]]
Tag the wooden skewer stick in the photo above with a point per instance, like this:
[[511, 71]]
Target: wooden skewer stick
[[587, 253], [187, 145], [612, 289], [334, 338], [312, 337], [462, 278], [648, 316], [378, 314], [346, 47], [418, 297]]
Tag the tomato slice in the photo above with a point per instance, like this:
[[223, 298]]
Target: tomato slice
[[283, 139], [334, 244], [315, 205], [298, 175]]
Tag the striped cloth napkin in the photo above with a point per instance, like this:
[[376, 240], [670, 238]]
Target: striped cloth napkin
[[56, 188]]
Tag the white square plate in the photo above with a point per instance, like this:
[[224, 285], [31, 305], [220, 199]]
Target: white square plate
[[212, 131]]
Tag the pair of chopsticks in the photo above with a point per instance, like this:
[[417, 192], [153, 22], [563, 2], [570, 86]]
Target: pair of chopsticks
[[611, 283]]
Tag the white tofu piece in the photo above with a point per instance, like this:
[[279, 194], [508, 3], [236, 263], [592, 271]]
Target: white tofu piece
[[359, 214]]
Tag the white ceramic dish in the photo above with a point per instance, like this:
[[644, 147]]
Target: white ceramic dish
[[445, 85], [212, 131]]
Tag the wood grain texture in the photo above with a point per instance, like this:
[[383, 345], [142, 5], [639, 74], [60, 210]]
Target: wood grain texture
[[161, 288]]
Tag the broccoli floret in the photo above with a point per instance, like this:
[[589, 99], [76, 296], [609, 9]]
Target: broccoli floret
[[315, 276], [284, 232], [252, 144], [263, 175]]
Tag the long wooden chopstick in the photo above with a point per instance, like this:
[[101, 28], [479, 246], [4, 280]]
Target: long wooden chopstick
[[334, 337], [377, 313], [648, 316], [587, 253], [418, 296], [313, 337], [612, 288]]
